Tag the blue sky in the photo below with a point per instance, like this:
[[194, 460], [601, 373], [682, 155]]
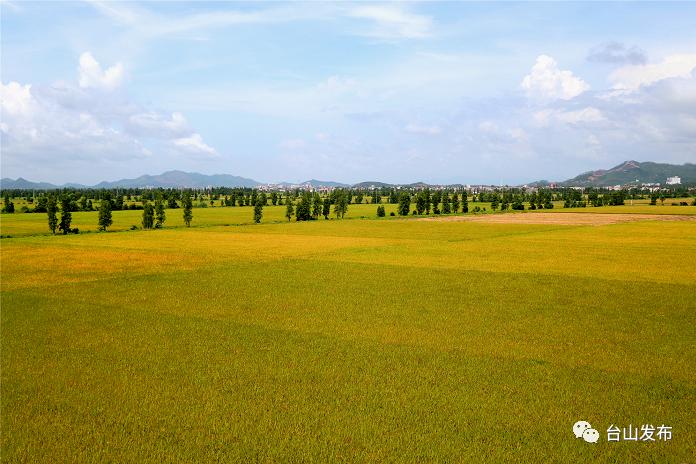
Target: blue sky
[[398, 92]]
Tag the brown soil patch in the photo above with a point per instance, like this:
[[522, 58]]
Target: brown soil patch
[[570, 219]]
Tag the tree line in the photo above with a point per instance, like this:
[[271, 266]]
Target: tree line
[[305, 205], [135, 199]]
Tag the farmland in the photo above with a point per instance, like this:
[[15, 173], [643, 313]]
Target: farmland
[[391, 340]]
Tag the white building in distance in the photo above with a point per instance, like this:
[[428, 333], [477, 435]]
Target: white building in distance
[[676, 180]]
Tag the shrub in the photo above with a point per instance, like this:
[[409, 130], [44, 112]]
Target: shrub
[[392, 214], [380, 211]]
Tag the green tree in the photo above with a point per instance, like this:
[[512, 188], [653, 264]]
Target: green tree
[[105, 220], [118, 204], [258, 209], [380, 211], [465, 203], [437, 196], [303, 212], [65, 213], [317, 206], [41, 204], [187, 205], [446, 208], [52, 209], [9, 206], [455, 203], [341, 203], [494, 203], [160, 214], [289, 210], [420, 202], [404, 204], [326, 208], [148, 215]]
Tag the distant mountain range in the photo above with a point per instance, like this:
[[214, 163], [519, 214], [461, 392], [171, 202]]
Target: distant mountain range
[[169, 179], [634, 172], [625, 173]]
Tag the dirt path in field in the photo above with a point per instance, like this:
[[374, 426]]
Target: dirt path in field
[[589, 219]]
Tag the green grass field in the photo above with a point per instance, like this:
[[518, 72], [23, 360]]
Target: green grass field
[[24, 224], [357, 340]]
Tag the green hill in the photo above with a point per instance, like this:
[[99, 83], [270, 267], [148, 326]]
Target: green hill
[[632, 171]]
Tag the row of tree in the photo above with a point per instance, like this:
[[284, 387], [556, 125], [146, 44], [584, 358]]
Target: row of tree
[[154, 215], [135, 199], [311, 205]]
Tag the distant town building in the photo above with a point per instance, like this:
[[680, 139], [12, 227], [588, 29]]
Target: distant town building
[[675, 180]]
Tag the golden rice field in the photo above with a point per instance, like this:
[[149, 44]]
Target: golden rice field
[[392, 340]]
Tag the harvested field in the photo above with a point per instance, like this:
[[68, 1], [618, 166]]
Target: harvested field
[[570, 219]]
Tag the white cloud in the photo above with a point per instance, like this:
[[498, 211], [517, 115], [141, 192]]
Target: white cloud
[[83, 122], [585, 115], [92, 75], [152, 123], [194, 144], [420, 129], [547, 82], [632, 77], [393, 22], [543, 118], [36, 126], [388, 21], [675, 94], [16, 99]]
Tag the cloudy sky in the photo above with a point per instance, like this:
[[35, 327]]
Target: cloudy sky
[[399, 92]]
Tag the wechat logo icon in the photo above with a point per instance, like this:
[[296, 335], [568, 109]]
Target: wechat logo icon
[[583, 429]]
